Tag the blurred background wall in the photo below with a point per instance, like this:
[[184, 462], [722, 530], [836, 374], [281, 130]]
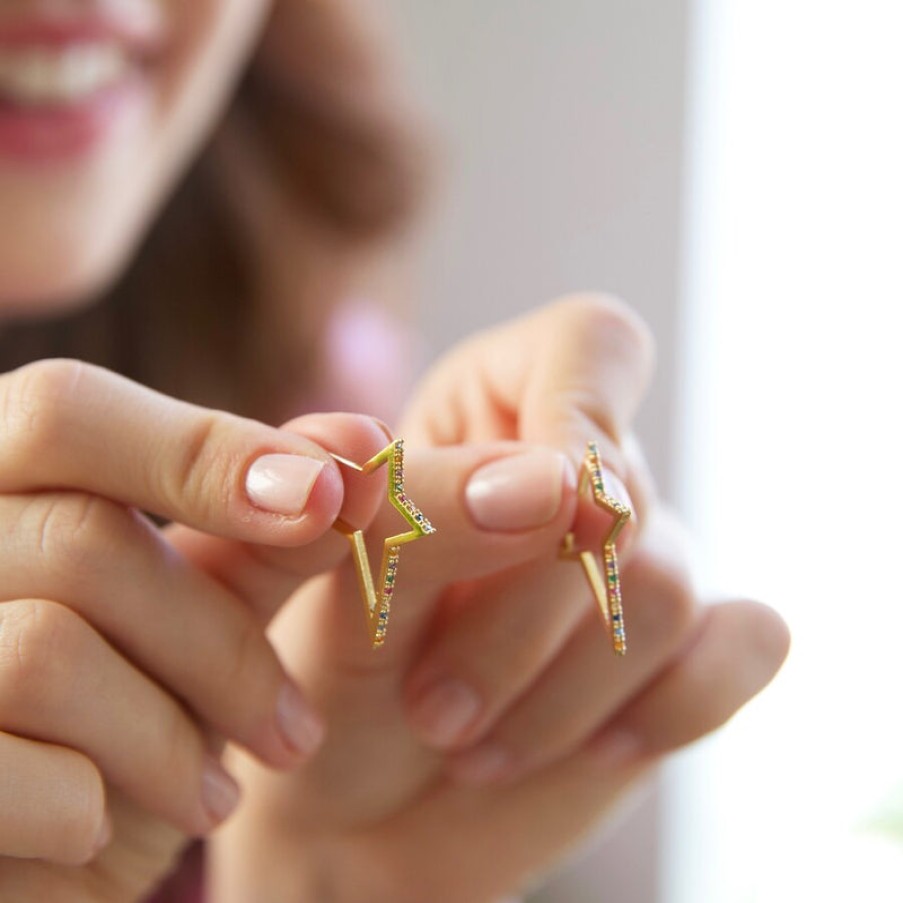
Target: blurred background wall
[[563, 128]]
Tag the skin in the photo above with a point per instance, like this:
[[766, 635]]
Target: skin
[[387, 811], [199, 628], [88, 214], [102, 618]]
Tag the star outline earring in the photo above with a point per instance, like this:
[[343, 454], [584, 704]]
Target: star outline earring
[[607, 591], [377, 605]]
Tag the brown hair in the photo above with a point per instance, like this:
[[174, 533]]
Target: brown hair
[[342, 149]]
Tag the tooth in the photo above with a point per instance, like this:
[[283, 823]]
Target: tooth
[[78, 71], [42, 75]]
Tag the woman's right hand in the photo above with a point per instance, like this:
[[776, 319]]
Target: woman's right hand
[[121, 664]]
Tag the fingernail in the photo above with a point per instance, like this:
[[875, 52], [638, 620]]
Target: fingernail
[[219, 792], [444, 712], [616, 488], [483, 765], [282, 483], [301, 729], [616, 749], [105, 835], [521, 492]]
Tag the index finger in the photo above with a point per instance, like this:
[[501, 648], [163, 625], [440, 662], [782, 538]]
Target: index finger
[[70, 425]]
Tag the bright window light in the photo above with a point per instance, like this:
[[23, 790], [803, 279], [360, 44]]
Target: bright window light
[[793, 466]]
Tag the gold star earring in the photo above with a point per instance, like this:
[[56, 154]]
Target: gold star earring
[[607, 591], [377, 605]]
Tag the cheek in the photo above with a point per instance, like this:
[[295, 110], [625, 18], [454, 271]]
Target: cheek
[[210, 40], [78, 200]]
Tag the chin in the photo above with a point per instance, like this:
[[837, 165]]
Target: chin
[[58, 290]]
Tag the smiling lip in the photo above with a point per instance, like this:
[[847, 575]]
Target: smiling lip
[[39, 126], [58, 133]]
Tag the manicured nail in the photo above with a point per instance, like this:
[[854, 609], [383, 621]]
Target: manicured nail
[[301, 729], [483, 765], [282, 483], [219, 792], [445, 711], [520, 492], [616, 749], [105, 835]]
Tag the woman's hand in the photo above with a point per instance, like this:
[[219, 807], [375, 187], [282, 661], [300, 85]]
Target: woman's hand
[[121, 664], [495, 727]]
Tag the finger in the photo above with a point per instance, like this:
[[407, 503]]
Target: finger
[[323, 630], [591, 379], [110, 565], [738, 650], [640, 482], [71, 425], [265, 576], [588, 385], [546, 814], [531, 662], [52, 800], [61, 683], [585, 384], [471, 494], [560, 715]]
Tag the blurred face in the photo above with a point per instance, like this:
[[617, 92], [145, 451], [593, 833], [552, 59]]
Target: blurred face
[[102, 102]]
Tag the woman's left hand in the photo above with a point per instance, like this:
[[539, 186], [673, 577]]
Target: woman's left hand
[[496, 727]]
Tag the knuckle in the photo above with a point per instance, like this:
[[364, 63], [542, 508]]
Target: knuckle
[[79, 823], [72, 532], [194, 477], [177, 748], [39, 640], [35, 401]]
